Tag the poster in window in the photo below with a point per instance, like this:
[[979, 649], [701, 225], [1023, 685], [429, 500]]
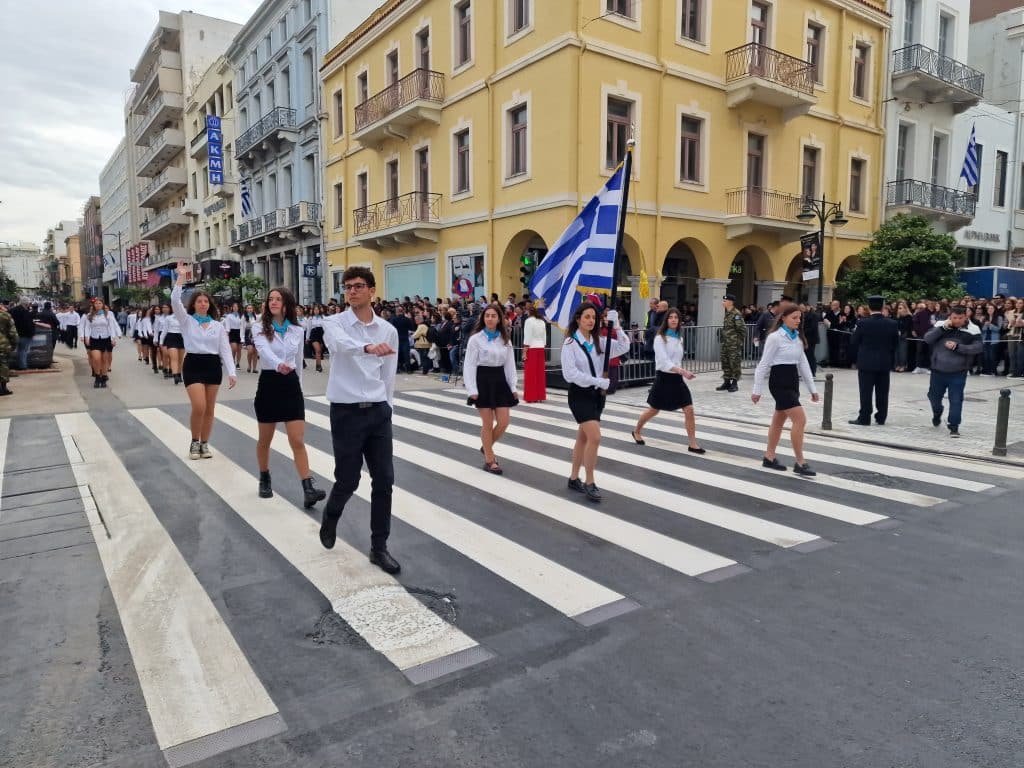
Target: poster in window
[[468, 275]]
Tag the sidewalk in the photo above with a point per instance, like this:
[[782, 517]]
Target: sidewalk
[[51, 390], [908, 424]]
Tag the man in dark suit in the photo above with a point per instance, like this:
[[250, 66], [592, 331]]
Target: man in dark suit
[[873, 347]]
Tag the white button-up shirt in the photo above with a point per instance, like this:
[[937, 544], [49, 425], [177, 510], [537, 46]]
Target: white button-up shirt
[[278, 349], [779, 349], [575, 369], [481, 351], [355, 376], [668, 353], [534, 333], [100, 327], [202, 338]]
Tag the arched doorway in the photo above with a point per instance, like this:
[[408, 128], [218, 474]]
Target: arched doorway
[[679, 276], [526, 241], [742, 276], [795, 286]]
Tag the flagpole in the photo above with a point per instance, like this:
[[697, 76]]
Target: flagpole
[[627, 171]]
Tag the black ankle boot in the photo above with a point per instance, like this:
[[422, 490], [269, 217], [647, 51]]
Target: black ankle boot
[[266, 491], [311, 494], [177, 378]]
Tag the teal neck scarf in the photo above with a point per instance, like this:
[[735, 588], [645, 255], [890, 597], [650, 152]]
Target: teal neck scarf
[[282, 329]]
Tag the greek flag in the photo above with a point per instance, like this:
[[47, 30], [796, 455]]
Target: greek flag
[[584, 256], [969, 172], [246, 200]]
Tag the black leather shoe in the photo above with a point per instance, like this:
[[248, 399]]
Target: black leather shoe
[[772, 463], [383, 560], [936, 419], [577, 485], [880, 423], [593, 494], [859, 423], [266, 491], [311, 494], [328, 531]]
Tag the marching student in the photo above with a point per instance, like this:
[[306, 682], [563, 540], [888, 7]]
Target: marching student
[[249, 320], [302, 321], [160, 328], [489, 375], [205, 342], [534, 343], [279, 339], [144, 329], [582, 358], [361, 390], [174, 343], [133, 321], [100, 331], [316, 335], [71, 323], [669, 391], [783, 364], [233, 324]]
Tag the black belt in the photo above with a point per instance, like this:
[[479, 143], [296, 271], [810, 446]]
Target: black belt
[[357, 406]]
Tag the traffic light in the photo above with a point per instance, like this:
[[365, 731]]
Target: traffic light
[[528, 265]]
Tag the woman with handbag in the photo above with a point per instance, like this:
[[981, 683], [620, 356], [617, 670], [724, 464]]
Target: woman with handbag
[[489, 375]]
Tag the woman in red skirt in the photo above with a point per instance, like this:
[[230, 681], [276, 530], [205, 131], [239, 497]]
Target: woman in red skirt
[[534, 343]]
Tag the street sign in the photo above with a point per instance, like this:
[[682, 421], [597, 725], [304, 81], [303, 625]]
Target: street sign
[[309, 270], [215, 149]]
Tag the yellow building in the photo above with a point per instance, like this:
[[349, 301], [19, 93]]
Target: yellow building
[[461, 133], [71, 271]]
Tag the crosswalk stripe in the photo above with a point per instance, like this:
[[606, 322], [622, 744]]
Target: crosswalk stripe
[[672, 553], [373, 603], [564, 590], [757, 490], [5, 428], [202, 695], [845, 460]]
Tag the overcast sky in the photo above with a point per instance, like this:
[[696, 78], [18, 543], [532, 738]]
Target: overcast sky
[[63, 73]]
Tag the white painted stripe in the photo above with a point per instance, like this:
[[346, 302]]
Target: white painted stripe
[[195, 679], [559, 587], [844, 459], [672, 553], [373, 603], [889, 494], [5, 427]]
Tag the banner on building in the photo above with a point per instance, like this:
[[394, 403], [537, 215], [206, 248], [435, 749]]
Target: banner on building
[[215, 149], [810, 250]]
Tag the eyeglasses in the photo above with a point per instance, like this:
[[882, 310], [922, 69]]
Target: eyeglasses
[[349, 287]]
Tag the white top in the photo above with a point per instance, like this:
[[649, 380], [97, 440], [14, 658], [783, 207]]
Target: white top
[[315, 321], [575, 369], [534, 332], [160, 327], [481, 351], [668, 353], [61, 317], [133, 320], [145, 327], [779, 349], [278, 349], [232, 321], [202, 338], [171, 322], [355, 376], [100, 327], [72, 319]]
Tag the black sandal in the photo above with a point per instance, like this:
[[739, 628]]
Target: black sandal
[[636, 439], [493, 468]]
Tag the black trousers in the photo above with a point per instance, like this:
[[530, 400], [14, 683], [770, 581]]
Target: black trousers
[[357, 434], [877, 382]]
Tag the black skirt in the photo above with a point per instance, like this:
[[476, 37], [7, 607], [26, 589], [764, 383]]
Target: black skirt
[[784, 384], [279, 398], [317, 335], [669, 392], [174, 341], [201, 369], [586, 403], [146, 341], [492, 388], [235, 336], [101, 345], [248, 338]]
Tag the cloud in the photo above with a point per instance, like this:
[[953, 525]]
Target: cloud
[[62, 87]]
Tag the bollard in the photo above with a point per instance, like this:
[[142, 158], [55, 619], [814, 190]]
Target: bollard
[[826, 413], [1002, 421]]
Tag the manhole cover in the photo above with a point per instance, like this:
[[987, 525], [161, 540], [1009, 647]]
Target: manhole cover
[[331, 629], [874, 478]]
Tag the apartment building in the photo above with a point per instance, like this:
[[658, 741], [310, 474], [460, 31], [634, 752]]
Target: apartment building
[[116, 204], [90, 239], [181, 48], [277, 150], [61, 272], [20, 262], [461, 135]]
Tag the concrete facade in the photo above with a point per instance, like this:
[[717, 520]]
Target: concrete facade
[[115, 203], [90, 237], [20, 262], [56, 265]]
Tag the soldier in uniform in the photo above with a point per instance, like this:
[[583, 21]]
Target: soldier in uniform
[[734, 334], [8, 343]]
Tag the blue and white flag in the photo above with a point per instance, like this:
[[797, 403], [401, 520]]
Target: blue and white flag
[[246, 200], [969, 172], [583, 259]]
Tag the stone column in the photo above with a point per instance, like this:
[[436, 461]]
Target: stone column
[[710, 291], [637, 306], [768, 291], [826, 295], [288, 262]]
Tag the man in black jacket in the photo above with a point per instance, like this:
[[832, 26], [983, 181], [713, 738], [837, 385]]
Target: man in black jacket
[[873, 347], [404, 326], [26, 326], [810, 325]]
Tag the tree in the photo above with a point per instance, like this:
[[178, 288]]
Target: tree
[[906, 259], [134, 295], [8, 287], [244, 287]]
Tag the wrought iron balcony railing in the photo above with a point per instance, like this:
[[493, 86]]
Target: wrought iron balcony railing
[[924, 195], [277, 118], [763, 203], [411, 208], [918, 58], [756, 60], [295, 215], [419, 84]]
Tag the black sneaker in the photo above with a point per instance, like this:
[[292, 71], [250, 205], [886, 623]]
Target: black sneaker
[[577, 485], [954, 431], [593, 494], [936, 419], [804, 470], [328, 530], [772, 464]]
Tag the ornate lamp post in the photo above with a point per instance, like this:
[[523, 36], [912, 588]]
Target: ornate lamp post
[[823, 211]]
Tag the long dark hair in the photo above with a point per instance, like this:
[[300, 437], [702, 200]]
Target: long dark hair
[[212, 311], [502, 324], [664, 322], [92, 307], [785, 313], [288, 299], [574, 324]]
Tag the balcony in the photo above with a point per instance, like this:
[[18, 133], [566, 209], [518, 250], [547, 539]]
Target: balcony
[[278, 125], [415, 98], [282, 224], [197, 148], [757, 74], [752, 209], [167, 257], [162, 187], [162, 112], [161, 151], [163, 224], [953, 208], [164, 74], [403, 219], [921, 74]]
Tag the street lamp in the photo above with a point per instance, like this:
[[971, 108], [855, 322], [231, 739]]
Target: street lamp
[[120, 257], [823, 211]]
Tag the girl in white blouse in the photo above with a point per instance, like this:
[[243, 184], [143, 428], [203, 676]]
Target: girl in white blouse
[[489, 375], [582, 363], [100, 331], [207, 349], [233, 324], [669, 391], [784, 365]]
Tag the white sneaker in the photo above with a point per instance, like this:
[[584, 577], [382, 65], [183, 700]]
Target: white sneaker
[[194, 450], [204, 451]]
